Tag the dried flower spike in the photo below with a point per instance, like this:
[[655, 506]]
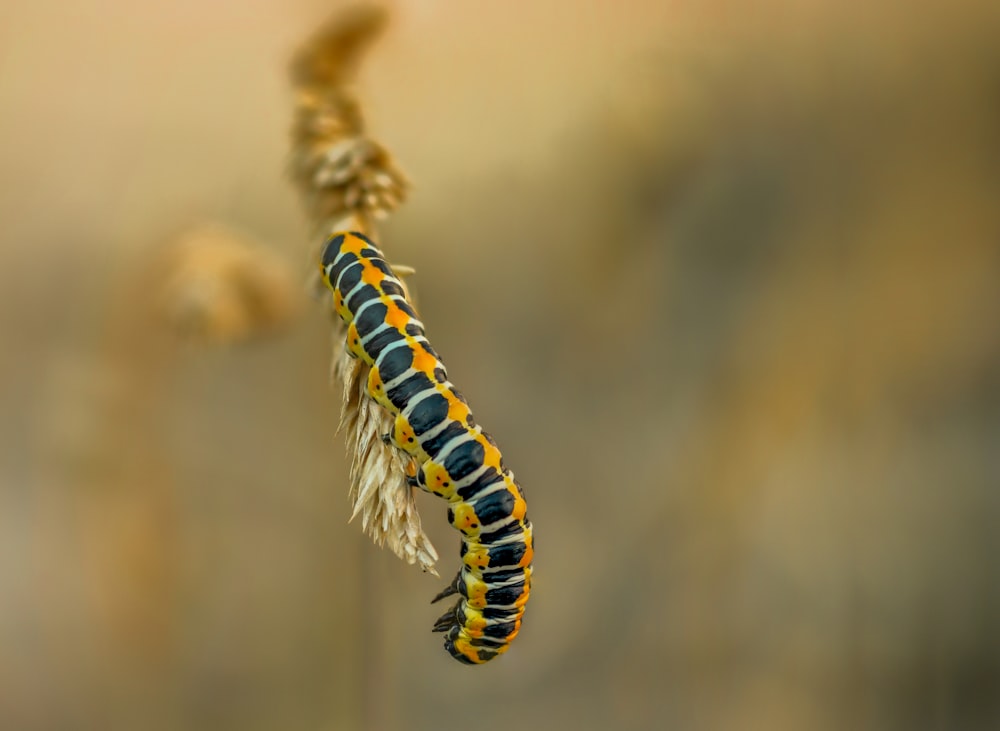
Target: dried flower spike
[[348, 180], [338, 168], [219, 286]]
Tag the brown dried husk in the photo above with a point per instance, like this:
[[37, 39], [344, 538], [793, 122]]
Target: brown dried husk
[[348, 180]]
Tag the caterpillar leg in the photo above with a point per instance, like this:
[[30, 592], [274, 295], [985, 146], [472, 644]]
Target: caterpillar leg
[[452, 588], [376, 389], [354, 341], [413, 476], [402, 435], [447, 621]]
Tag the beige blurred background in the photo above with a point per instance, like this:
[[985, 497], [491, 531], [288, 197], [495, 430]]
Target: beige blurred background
[[721, 278]]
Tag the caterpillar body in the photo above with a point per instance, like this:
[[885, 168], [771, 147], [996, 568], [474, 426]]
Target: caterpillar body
[[454, 458]]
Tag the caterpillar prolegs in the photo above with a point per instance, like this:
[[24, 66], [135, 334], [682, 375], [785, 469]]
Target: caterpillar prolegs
[[455, 458]]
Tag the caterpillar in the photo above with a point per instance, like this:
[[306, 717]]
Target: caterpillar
[[453, 457]]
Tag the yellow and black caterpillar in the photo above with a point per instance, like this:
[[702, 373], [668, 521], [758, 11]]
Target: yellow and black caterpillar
[[455, 458]]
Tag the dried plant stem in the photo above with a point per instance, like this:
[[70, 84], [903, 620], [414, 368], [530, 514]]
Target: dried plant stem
[[348, 181]]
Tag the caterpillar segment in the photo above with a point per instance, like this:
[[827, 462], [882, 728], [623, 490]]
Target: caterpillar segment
[[452, 456]]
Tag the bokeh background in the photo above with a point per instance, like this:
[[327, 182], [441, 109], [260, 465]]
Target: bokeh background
[[722, 278]]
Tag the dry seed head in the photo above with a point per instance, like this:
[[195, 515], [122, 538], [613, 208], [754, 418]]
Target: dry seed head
[[330, 58], [337, 167], [378, 479], [348, 180], [348, 173], [219, 286]]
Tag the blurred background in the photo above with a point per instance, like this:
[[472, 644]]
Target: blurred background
[[720, 277]]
